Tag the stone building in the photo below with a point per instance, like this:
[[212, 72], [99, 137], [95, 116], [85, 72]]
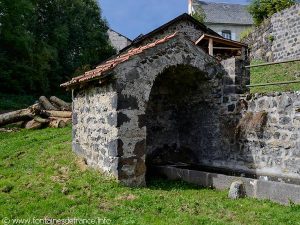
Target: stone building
[[165, 100], [118, 41], [164, 92], [228, 20]]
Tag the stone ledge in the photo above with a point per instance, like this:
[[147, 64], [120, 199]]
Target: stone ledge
[[282, 193]]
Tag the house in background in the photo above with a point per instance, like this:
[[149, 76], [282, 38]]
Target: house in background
[[228, 20], [118, 41]]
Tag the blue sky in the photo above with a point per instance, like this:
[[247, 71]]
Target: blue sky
[[134, 17]]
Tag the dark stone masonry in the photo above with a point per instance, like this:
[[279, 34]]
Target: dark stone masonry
[[277, 38], [166, 101]]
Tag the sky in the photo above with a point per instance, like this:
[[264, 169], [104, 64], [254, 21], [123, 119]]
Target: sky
[[134, 17]]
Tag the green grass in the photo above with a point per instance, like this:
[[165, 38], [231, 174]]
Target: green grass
[[40, 177], [275, 73]]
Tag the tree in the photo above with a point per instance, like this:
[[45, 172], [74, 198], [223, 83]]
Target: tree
[[15, 44], [43, 43], [263, 9], [199, 14]]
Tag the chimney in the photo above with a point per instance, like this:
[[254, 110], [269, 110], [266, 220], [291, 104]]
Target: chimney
[[190, 7]]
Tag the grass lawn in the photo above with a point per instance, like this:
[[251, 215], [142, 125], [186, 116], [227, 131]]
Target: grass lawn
[[40, 177], [275, 73]]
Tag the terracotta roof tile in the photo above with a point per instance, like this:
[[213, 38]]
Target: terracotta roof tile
[[112, 63]]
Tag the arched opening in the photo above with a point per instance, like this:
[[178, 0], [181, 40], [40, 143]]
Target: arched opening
[[181, 118]]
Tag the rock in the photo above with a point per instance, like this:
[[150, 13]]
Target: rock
[[65, 191], [236, 190]]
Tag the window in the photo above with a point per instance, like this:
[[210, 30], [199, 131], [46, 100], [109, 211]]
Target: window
[[226, 34]]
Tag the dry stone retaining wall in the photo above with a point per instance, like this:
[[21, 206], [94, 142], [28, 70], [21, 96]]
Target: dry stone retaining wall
[[278, 37], [265, 135]]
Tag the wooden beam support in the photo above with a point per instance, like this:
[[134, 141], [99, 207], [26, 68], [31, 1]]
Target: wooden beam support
[[227, 48], [211, 47]]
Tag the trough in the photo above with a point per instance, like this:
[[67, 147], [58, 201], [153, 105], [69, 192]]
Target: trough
[[280, 192]]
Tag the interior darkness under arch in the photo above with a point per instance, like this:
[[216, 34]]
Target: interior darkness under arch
[[180, 119]]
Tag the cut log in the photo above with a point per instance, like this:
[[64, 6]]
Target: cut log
[[16, 116], [57, 123], [61, 114], [61, 103], [66, 120], [41, 120], [36, 108], [32, 124], [46, 104]]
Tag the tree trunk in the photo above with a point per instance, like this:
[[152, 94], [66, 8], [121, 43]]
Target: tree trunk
[[61, 114], [57, 123], [16, 116], [41, 120], [62, 104], [46, 104], [32, 124]]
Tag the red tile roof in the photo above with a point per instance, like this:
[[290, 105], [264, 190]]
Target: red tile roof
[[111, 64]]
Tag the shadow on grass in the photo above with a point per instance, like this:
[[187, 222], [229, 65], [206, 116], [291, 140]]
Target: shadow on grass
[[168, 185]]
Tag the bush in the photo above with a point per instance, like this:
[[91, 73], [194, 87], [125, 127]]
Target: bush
[[199, 14], [245, 33], [263, 9]]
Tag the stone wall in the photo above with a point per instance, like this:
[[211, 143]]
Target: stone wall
[[270, 132], [135, 80], [117, 126], [278, 37], [95, 127], [111, 124], [263, 136], [188, 28], [182, 116]]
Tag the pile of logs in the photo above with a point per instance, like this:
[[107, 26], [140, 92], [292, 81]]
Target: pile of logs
[[54, 113]]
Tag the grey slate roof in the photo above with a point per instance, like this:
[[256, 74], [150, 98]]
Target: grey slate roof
[[224, 12]]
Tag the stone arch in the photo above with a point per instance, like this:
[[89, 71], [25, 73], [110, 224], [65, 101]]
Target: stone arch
[[180, 117], [135, 80]]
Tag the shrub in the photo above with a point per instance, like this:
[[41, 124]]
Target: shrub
[[263, 9], [199, 14], [245, 33]]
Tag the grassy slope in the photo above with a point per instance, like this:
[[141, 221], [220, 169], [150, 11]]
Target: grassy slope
[[275, 73], [35, 166]]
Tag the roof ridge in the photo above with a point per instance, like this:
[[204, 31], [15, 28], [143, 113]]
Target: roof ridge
[[216, 3]]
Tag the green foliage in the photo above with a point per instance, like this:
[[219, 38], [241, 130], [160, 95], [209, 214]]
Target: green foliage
[[262, 9], [271, 38], [40, 177], [245, 33], [199, 14], [14, 102], [43, 43], [275, 73]]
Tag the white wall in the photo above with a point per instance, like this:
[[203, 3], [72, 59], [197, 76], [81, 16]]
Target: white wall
[[235, 29], [117, 40]]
